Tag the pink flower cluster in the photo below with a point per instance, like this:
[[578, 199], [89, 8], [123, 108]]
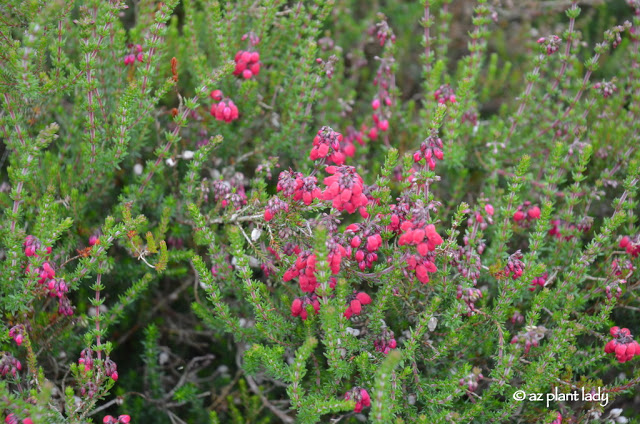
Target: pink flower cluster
[[531, 338], [122, 419], [326, 144], [372, 240], [606, 88], [274, 205], [345, 189], [469, 296], [13, 419], [299, 305], [86, 359], [360, 396], [445, 94], [430, 150], [385, 341], [526, 212], [17, 334], [135, 54], [471, 380], [551, 43], [32, 245], [296, 185], [247, 64], [561, 228], [225, 110], [227, 192], [305, 270], [426, 239], [355, 302], [539, 281], [622, 344], [9, 365], [56, 287], [631, 245], [514, 267], [111, 369]]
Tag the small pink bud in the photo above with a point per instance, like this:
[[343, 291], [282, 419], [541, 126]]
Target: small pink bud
[[216, 95], [375, 104]]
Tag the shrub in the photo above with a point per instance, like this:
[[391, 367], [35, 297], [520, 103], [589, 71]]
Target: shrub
[[263, 211]]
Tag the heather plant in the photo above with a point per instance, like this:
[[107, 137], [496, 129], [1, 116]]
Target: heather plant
[[319, 211]]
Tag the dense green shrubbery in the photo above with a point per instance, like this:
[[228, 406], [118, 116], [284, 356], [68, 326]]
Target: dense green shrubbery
[[276, 211]]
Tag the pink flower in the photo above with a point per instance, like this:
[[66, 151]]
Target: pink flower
[[247, 64], [622, 344], [344, 188]]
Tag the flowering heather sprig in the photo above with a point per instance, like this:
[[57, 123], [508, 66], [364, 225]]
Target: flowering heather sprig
[[530, 337], [365, 240], [606, 88], [225, 110], [336, 253], [622, 344], [135, 53], [445, 94], [631, 245], [299, 305], [385, 341], [471, 380], [111, 369], [539, 281], [514, 267], [17, 333], [224, 194], [247, 64], [481, 218], [467, 260], [420, 266], [355, 301], [89, 389], [9, 365], [619, 272], [382, 31], [32, 245], [305, 269], [345, 189], [326, 144], [122, 419], [526, 213], [360, 396], [469, 296], [86, 359], [381, 104], [274, 206], [430, 150], [517, 318], [562, 229], [550, 43]]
